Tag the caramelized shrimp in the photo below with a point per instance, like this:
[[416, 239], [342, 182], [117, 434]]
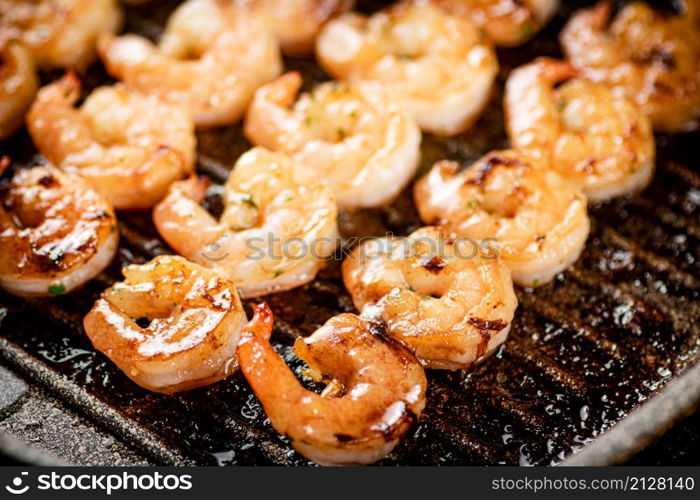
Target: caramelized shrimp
[[357, 136], [278, 227], [56, 233], [375, 392], [439, 64], [444, 298], [129, 146], [537, 218], [18, 84], [211, 57], [601, 142], [297, 23], [650, 57], [508, 23], [60, 33], [195, 319]]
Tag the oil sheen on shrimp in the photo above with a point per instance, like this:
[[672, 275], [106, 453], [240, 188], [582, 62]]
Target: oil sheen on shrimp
[[441, 65], [60, 33], [375, 392], [355, 135], [195, 320], [508, 23], [211, 57], [56, 233], [537, 218], [129, 146], [277, 229], [18, 84], [601, 142], [650, 57], [449, 300], [297, 23]]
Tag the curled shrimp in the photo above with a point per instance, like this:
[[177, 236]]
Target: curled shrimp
[[60, 33], [508, 23], [129, 146], [18, 84], [375, 392], [212, 57], [439, 64], [297, 23], [537, 218], [357, 136], [650, 57], [444, 298], [601, 142], [195, 320], [56, 233], [276, 232]]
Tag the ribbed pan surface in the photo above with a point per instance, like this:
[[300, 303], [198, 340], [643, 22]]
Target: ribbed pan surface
[[584, 351]]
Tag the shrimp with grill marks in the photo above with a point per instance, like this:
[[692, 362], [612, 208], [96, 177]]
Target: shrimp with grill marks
[[277, 229], [129, 146], [56, 232], [194, 320], [537, 218], [441, 66], [356, 135], [601, 142], [211, 58], [449, 300], [375, 392], [650, 57]]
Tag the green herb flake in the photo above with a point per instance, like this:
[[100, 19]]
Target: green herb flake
[[341, 133], [289, 198], [472, 205], [57, 288], [535, 282], [248, 200], [279, 273]]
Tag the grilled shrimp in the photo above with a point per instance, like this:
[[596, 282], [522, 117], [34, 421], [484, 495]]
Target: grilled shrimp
[[278, 227], [56, 232], [211, 57], [18, 84], [376, 388], [601, 142], [537, 218], [450, 301], [508, 23], [129, 146], [355, 135], [440, 64], [652, 58], [296, 23], [195, 321], [60, 33]]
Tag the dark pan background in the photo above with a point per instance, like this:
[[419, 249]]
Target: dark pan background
[[584, 352]]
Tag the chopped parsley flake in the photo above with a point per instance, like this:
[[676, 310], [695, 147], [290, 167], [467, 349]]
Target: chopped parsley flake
[[57, 288], [248, 200]]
